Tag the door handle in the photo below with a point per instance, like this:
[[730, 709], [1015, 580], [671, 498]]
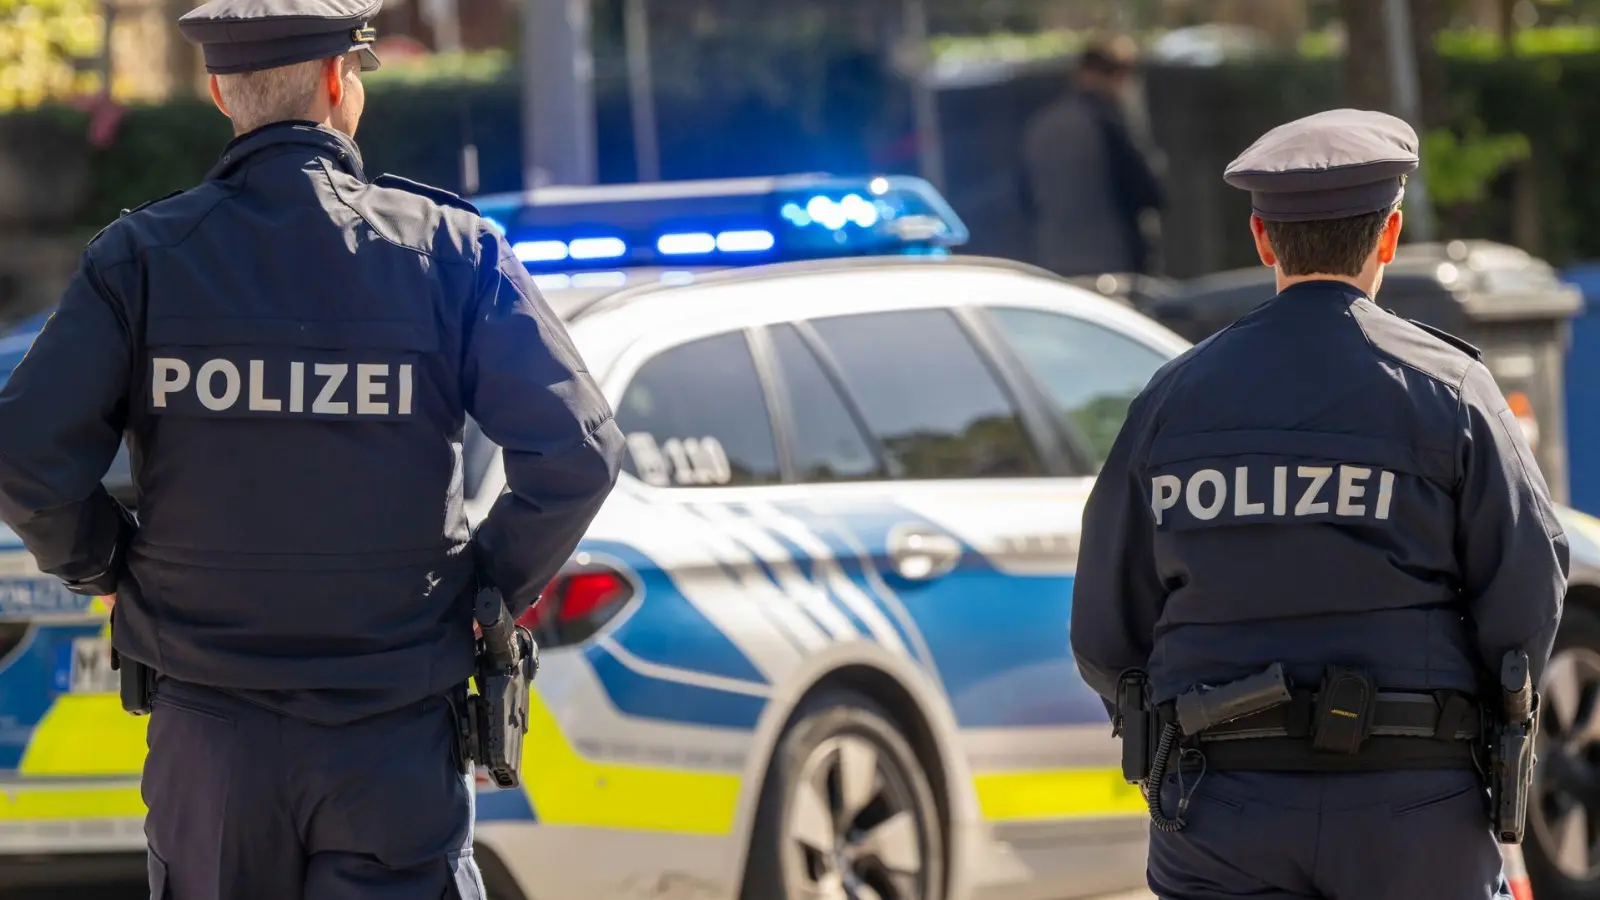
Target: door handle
[[920, 553]]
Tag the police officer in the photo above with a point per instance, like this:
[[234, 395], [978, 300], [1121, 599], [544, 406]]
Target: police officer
[[290, 350], [1332, 488]]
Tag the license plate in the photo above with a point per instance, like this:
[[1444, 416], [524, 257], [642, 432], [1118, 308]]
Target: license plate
[[84, 667]]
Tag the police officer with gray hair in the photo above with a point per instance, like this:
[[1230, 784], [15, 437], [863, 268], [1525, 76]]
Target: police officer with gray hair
[[1317, 533], [291, 350]]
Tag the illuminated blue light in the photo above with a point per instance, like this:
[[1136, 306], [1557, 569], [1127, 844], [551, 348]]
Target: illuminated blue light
[[826, 213], [552, 282], [686, 244], [793, 213], [745, 241], [790, 217], [495, 224], [597, 248], [859, 211], [540, 251], [599, 279], [835, 215]]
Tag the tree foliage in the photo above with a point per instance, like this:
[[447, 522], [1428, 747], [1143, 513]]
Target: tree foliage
[[47, 51]]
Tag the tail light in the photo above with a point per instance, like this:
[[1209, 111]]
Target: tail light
[[583, 597]]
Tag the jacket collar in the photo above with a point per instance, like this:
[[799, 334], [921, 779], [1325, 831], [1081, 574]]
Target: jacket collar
[[305, 137], [1328, 288]]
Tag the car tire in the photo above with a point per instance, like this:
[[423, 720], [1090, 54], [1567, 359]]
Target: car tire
[[846, 812], [1571, 694]]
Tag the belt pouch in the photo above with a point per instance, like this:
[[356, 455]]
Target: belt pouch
[[1342, 718]]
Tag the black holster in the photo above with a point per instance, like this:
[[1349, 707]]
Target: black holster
[[1511, 749], [136, 681], [496, 717], [1134, 720]]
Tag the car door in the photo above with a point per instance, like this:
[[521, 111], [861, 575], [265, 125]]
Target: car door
[[976, 480]]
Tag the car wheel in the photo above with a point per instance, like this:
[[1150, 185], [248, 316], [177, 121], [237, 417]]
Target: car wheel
[[1563, 836], [846, 812]]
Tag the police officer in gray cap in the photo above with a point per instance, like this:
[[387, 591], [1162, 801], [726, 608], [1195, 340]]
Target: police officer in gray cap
[[1314, 532], [291, 350]]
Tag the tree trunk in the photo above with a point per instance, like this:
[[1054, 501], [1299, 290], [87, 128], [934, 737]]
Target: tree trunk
[[1366, 57], [1508, 27], [1428, 18], [185, 73], [1368, 83]]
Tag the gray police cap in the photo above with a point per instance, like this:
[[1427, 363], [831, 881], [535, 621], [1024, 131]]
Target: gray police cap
[[250, 35], [1333, 165]]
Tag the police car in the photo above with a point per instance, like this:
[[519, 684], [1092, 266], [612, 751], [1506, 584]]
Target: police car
[[815, 644]]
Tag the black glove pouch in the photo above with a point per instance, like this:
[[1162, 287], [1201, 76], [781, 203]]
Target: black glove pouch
[[1343, 715]]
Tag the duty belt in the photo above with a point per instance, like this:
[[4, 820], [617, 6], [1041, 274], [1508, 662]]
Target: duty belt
[[1406, 731]]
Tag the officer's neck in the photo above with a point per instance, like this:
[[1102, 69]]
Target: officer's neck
[[1367, 282]]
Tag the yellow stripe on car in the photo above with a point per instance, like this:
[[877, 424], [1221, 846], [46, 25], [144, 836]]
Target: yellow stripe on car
[[1056, 794], [567, 789], [38, 802], [86, 735], [82, 736]]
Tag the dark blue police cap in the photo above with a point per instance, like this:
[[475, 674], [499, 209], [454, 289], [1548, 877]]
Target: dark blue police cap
[[1333, 165], [250, 35]]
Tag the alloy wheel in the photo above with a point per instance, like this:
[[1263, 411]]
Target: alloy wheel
[[854, 827], [1565, 809]]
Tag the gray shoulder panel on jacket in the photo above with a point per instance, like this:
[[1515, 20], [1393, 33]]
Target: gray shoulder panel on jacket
[[1430, 351]]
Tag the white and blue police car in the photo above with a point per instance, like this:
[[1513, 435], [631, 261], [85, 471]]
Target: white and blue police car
[[815, 645]]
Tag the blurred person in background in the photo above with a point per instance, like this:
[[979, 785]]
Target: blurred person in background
[[1091, 178]]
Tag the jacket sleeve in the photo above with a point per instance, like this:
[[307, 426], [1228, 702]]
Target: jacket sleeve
[[1117, 595], [62, 415], [1513, 552], [528, 389]]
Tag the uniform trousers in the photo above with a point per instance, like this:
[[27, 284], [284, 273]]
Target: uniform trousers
[[1399, 835], [248, 804]]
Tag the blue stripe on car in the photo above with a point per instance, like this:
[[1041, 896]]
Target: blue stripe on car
[[655, 698]]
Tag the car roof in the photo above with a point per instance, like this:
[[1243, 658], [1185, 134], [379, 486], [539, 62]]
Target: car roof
[[656, 315]]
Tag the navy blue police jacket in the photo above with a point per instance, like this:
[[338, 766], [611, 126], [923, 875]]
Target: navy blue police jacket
[[290, 351], [1322, 482]]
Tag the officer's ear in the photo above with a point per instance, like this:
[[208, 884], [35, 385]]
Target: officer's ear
[[1389, 240], [1258, 229], [216, 96], [333, 80]]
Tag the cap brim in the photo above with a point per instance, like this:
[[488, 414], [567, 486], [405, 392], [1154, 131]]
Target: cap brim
[[369, 59]]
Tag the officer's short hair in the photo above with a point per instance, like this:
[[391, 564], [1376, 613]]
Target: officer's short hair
[[1326, 246], [265, 96], [1323, 186]]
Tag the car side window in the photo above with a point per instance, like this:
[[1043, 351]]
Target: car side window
[[1091, 372], [936, 407], [696, 415], [827, 443]]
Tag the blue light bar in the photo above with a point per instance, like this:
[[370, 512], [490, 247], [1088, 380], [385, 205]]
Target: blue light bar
[[692, 244], [540, 251], [597, 248], [728, 222], [745, 241]]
